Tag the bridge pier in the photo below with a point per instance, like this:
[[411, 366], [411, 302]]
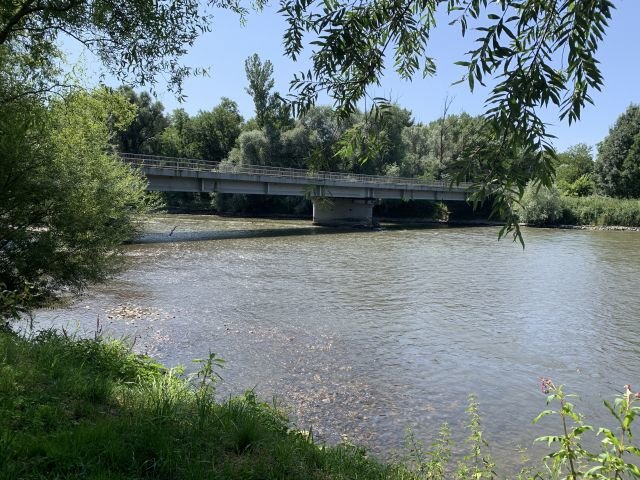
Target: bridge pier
[[343, 212]]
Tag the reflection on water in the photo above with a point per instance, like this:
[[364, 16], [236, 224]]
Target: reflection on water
[[366, 333]]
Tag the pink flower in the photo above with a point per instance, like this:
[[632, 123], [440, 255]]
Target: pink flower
[[545, 385]]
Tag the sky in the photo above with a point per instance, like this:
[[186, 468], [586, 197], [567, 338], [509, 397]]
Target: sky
[[225, 49]]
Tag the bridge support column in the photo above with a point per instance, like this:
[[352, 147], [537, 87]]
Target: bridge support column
[[343, 212]]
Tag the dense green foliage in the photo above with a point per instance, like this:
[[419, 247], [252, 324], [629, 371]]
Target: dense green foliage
[[136, 41], [549, 207], [574, 171], [602, 211], [540, 206], [143, 134], [66, 203], [618, 161]]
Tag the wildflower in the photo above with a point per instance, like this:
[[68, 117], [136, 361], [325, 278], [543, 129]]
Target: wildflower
[[545, 385]]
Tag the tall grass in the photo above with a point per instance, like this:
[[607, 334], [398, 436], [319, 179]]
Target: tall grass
[[602, 211], [547, 207]]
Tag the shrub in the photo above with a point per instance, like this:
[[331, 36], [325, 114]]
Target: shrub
[[540, 206], [596, 210]]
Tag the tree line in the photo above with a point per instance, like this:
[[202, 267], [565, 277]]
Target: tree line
[[447, 148]]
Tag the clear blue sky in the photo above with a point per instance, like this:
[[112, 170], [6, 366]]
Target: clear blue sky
[[225, 49]]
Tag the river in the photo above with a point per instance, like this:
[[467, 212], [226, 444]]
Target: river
[[363, 334]]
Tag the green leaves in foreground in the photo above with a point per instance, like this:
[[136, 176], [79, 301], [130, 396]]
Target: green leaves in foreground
[[532, 54], [570, 459]]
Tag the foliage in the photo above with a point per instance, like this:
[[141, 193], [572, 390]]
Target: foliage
[[597, 210], [92, 409], [134, 40], [537, 54], [176, 138], [325, 131], [271, 113], [583, 186], [446, 148], [540, 206], [66, 203], [253, 148], [574, 171], [618, 161], [571, 459], [374, 143], [143, 135], [213, 134], [548, 207], [295, 145]]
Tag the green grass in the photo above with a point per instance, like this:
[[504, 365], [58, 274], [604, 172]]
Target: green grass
[[74, 408], [603, 211]]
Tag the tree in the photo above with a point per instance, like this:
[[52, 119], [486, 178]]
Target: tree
[[540, 206], [213, 134], [377, 137], [537, 54], [136, 41], [254, 148], [325, 130], [175, 140], [447, 148], [66, 203], [618, 161], [271, 112], [574, 171], [144, 134]]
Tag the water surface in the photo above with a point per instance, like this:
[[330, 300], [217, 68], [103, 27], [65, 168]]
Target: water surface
[[365, 333]]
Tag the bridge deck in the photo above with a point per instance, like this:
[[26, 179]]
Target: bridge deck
[[184, 174]]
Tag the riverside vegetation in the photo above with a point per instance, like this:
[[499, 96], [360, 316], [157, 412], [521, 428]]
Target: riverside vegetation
[[90, 408]]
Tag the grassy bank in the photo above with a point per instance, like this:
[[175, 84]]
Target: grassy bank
[[600, 211], [91, 409], [548, 207]]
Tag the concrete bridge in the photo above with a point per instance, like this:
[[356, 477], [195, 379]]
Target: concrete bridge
[[338, 198]]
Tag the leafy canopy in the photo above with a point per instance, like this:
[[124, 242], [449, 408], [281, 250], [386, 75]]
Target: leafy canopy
[[535, 53], [66, 203], [136, 40], [618, 161]]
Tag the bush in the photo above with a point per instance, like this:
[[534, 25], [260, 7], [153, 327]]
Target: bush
[[540, 206], [597, 210]]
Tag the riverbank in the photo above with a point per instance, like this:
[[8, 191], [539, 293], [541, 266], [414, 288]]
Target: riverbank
[[91, 409]]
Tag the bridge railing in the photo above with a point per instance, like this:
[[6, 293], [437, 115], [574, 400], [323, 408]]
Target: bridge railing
[[177, 163]]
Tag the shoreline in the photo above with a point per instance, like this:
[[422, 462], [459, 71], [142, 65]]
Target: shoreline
[[412, 221], [591, 228]]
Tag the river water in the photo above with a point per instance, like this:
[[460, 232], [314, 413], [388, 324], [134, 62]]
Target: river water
[[363, 334]]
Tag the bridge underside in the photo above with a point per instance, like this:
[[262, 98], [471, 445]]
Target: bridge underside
[[334, 203]]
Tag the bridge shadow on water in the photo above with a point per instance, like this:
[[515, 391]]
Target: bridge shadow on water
[[208, 235]]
